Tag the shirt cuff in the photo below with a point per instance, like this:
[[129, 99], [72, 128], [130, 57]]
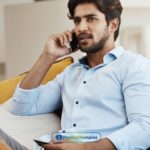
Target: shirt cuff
[[26, 95], [131, 137]]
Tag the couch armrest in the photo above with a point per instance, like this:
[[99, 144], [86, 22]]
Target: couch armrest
[[26, 128]]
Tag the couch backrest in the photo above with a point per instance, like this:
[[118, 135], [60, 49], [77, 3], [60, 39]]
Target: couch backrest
[[7, 87]]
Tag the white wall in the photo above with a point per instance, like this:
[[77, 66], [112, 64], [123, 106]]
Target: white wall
[[146, 39], [135, 3], [136, 17], [2, 52], [27, 29], [2, 34], [134, 28], [8, 2]]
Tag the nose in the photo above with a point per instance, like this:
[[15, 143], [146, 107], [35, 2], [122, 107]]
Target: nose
[[83, 26]]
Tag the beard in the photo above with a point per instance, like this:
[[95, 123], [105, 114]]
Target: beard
[[98, 46]]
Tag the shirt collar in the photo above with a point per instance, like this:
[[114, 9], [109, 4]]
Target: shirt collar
[[117, 52], [109, 57]]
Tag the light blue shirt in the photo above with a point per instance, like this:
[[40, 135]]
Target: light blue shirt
[[113, 97]]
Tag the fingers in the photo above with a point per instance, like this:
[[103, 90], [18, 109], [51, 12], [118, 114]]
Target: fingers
[[51, 146], [69, 35], [58, 44], [61, 40], [61, 141], [65, 38]]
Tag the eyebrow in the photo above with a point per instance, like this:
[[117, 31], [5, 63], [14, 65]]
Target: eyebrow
[[85, 16]]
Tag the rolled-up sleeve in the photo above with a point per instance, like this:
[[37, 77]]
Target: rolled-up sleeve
[[136, 91], [43, 99]]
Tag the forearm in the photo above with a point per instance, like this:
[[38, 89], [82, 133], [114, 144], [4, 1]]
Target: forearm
[[37, 73], [104, 144]]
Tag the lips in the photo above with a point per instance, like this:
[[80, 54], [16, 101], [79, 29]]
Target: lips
[[84, 36]]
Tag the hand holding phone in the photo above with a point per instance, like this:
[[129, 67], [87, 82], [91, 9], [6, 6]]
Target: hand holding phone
[[74, 45]]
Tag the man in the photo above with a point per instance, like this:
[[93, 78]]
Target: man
[[108, 90]]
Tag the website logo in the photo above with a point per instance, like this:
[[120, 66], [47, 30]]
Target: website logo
[[80, 137]]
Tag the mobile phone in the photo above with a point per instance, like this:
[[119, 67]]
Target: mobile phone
[[74, 46], [40, 143]]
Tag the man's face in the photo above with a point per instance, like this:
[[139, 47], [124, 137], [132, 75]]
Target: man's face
[[90, 27]]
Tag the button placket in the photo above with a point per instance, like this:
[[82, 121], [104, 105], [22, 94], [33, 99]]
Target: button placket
[[75, 113], [78, 97], [74, 125], [77, 102], [84, 82]]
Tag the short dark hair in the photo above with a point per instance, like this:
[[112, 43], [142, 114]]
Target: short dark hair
[[111, 8]]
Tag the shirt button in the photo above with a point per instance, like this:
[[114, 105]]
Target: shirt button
[[77, 102], [84, 82], [74, 125]]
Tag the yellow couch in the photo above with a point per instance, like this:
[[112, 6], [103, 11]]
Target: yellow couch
[[7, 87], [26, 128]]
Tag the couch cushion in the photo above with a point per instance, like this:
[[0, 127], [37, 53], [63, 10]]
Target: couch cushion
[[7, 87], [3, 145], [26, 128]]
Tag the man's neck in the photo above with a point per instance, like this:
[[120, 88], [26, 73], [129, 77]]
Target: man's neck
[[95, 59]]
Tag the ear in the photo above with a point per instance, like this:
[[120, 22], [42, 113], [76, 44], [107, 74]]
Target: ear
[[113, 25]]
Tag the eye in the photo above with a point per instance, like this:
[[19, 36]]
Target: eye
[[76, 21]]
